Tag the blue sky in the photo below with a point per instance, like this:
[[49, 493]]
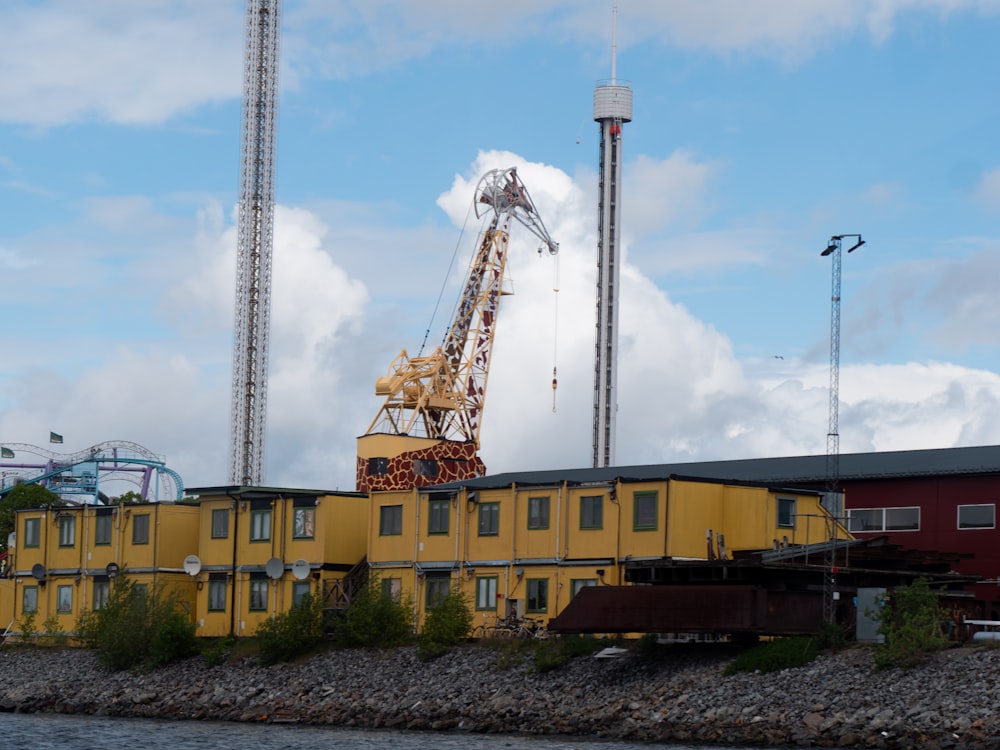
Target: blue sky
[[760, 130]]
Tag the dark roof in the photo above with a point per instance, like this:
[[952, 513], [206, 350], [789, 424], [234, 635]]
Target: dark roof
[[251, 493], [794, 469]]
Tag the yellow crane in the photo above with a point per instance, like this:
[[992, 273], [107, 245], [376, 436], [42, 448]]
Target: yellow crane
[[427, 430]]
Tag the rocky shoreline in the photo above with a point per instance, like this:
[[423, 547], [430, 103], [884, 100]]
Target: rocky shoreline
[[680, 695]]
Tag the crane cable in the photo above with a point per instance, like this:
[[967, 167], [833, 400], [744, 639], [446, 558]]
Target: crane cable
[[444, 283], [555, 328]]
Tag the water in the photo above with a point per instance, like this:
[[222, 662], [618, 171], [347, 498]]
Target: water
[[58, 732]]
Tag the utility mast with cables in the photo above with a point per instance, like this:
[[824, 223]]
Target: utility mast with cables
[[833, 501], [251, 327], [612, 108]]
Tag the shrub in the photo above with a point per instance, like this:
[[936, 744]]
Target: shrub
[[375, 619], [447, 624], [216, 650], [555, 652], [54, 634], [291, 634], [911, 624], [775, 655], [138, 627], [28, 626]]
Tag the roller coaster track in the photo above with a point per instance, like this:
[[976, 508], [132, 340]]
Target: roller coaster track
[[112, 457]]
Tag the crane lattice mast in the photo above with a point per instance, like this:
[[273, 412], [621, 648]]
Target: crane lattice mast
[[612, 108], [251, 327]]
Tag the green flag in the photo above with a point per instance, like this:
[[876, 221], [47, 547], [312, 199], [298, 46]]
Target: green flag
[[6, 453], [55, 437]]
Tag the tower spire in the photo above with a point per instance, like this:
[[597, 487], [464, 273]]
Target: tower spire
[[612, 108]]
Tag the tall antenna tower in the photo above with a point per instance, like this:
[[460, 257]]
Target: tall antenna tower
[[612, 108], [256, 238]]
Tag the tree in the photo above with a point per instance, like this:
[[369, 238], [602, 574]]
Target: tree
[[911, 623], [23, 496]]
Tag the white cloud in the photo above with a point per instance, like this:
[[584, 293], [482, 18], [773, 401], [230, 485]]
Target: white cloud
[[127, 62], [683, 392], [988, 190], [159, 58]]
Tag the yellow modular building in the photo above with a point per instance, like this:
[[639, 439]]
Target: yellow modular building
[[259, 550], [526, 550], [63, 560]]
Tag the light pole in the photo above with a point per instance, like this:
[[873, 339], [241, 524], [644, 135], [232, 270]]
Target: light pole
[[832, 501]]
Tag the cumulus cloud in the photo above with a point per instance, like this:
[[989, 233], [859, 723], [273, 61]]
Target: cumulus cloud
[[684, 392]]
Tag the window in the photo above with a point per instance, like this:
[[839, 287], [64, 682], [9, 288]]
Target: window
[[303, 523], [425, 467], [29, 599], [438, 587], [390, 521], [258, 594], [220, 523], [883, 519], [538, 595], [64, 598], [378, 466], [902, 519], [140, 529], [102, 529], [392, 588], [489, 519], [580, 583], [32, 528], [216, 596], [217, 592], [592, 512], [645, 510], [139, 590], [260, 526], [786, 512], [976, 516], [437, 516], [538, 513], [300, 590], [67, 531], [486, 592], [868, 519], [102, 590]]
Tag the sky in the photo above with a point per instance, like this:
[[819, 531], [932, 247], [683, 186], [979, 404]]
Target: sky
[[759, 131]]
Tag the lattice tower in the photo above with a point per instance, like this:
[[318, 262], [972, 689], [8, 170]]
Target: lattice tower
[[256, 230]]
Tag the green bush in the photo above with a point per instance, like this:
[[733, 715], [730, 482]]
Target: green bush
[[28, 626], [448, 623], [138, 627], [775, 655], [553, 653], [291, 634], [216, 650], [911, 624], [375, 619]]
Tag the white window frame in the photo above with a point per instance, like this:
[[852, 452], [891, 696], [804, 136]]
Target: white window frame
[[958, 516]]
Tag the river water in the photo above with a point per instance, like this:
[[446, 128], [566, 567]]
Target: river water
[[59, 732]]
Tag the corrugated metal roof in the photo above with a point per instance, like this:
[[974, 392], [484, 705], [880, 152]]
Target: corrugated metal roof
[[806, 469]]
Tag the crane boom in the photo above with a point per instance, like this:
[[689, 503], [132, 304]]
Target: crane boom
[[427, 430]]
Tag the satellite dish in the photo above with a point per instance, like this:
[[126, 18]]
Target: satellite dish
[[274, 568], [300, 569], [192, 565], [38, 571], [111, 569]]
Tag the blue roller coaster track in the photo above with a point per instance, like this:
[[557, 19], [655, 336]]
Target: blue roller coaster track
[[77, 477]]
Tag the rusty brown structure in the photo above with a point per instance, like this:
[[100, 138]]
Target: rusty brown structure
[[772, 592]]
